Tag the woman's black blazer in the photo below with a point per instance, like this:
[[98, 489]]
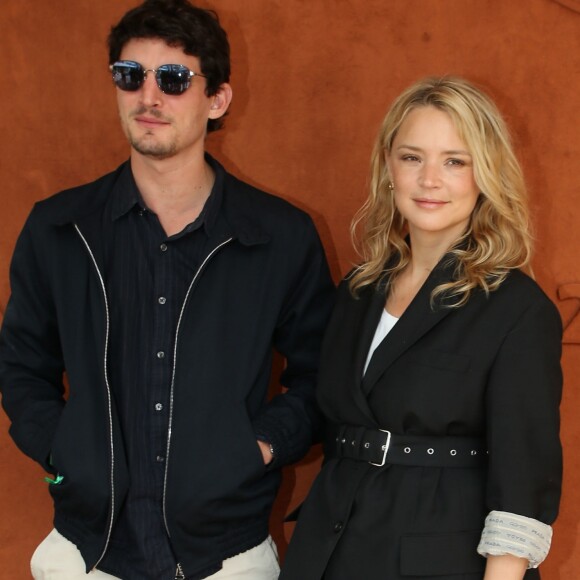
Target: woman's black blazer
[[490, 369]]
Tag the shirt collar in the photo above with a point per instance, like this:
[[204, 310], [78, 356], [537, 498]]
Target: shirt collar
[[128, 197], [127, 194]]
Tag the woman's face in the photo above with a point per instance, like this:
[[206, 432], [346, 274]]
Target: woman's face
[[432, 173]]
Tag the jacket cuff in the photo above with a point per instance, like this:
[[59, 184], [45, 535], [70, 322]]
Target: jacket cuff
[[268, 431], [507, 533], [275, 445]]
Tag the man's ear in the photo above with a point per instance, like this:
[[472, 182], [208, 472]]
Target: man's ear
[[220, 101]]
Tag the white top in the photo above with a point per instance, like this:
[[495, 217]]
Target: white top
[[385, 326]]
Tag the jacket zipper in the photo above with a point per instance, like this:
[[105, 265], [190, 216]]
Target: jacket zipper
[[195, 277], [108, 390]]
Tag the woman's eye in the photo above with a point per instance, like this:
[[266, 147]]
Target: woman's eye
[[410, 158], [458, 162]]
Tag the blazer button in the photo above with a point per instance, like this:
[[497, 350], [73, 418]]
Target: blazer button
[[338, 527]]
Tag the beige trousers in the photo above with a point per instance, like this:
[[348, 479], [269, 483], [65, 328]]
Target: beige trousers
[[58, 559]]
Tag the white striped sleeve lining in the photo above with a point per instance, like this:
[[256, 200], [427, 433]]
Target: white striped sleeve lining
[[506, 533]]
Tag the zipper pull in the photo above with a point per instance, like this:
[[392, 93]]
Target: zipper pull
[[179, 575]]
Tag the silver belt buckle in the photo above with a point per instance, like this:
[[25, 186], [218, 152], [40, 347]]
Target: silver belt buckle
[[385, 448]]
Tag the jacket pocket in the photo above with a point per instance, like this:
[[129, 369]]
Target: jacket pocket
[[427, 555]]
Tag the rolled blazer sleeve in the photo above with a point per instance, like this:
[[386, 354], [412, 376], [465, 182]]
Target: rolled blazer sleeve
[[523, 397]]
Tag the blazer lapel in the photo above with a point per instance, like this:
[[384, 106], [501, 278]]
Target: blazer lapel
[[369, 319], [415, 322], [360, 325]]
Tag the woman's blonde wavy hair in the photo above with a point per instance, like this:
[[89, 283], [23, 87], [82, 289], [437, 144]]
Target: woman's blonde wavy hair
[[498, 237]]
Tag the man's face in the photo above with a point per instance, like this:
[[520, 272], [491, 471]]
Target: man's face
[[159, 125]]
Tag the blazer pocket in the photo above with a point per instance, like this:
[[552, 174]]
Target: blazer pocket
[[427, 555], [439, 359]]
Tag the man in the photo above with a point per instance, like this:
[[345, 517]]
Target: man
[[161, 289]]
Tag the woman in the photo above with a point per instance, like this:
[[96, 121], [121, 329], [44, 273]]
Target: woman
[[440, 376]]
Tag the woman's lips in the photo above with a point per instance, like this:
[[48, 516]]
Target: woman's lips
[[429, 203]]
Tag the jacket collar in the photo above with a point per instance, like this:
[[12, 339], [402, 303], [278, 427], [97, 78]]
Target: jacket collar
[[418, 319], [238, 214]]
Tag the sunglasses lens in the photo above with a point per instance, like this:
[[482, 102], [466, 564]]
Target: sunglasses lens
[[173, 79], [128, 75]]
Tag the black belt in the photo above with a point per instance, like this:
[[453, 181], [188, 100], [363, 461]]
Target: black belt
[[380, 447]]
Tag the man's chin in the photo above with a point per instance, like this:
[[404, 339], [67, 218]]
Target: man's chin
[[154, 150]]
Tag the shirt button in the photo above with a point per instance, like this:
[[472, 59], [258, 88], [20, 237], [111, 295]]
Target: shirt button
[[162, 300], [158, 407], [163, 247], [160, 354], [160, 459], [338, 527]]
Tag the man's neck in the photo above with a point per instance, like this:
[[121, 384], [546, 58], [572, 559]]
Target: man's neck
[[174, 190]]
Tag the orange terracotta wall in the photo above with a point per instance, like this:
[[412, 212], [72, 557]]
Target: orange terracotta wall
[[312, 80]]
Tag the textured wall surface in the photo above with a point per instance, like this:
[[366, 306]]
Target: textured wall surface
[[312, 79]]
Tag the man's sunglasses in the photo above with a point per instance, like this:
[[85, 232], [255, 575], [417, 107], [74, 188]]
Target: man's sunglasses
[[172, 79]]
